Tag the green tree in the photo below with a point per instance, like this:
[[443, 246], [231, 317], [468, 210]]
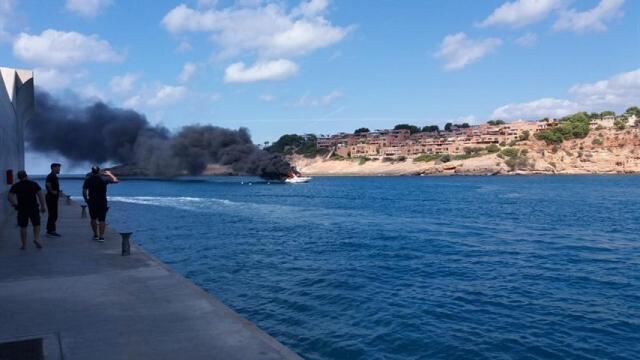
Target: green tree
[[448, 126], [412, 128], [525, 135], [574, 126], [431, 128], [496, 122], [361, 130], [293, 143], [607, 113], [634, 110]]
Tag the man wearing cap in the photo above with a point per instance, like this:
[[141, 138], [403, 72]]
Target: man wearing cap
[[24, 196], [94, 191], [53, 194]]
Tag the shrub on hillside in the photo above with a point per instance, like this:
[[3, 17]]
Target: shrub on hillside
[[575, 126], [471, 150], [510, 152], [426, 158], [493, 148], [621, 123]]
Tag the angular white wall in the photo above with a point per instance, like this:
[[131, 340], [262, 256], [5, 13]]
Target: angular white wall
[[16, 108]]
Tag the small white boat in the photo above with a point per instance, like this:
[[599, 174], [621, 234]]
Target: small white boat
[[297, 179]]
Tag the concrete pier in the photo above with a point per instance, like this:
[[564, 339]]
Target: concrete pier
[[86, 301]]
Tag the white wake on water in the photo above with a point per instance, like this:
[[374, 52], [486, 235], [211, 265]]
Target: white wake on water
[[178, 202]]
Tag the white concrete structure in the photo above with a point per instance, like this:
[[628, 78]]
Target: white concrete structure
[[16, 108]]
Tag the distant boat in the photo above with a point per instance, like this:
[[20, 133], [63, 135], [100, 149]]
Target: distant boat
[[294, 179]]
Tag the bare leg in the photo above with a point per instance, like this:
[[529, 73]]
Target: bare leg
[[23, 237], [36, 236], [94, 227], [103, 225]]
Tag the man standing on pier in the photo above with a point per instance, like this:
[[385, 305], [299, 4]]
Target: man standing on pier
[[53, 194], [94, 192], [24, 197]]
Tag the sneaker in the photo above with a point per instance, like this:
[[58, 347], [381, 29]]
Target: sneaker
[[38, 245], [95, 237], [101, 239], [53, 234]]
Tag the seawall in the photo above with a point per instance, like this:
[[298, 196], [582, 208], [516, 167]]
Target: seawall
[[86, 301]]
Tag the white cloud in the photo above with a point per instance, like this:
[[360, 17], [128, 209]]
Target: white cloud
[[593, 19], [215, 97], [167, 95], [616, 93], [207, 3], [336, 55], [520, 13], [156, 96], [326, 100], [124, 83], [188, 70], [268, 30], [184, 46], [311, 7], [87, 8], [620, 90], [527, 40], [267, 97], [458, 50], [53, 79], [537, 109], [63, 49], [133, 102], [6, 10], [267, 70], [92, 93], [249, 3]]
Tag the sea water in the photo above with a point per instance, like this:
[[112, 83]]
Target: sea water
[[407, 267]]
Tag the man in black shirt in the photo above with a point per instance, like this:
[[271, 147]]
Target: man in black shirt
[[94, 192], [24, 197], [53, 194]]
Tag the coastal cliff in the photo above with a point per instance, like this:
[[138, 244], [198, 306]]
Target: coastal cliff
[[606, 151]]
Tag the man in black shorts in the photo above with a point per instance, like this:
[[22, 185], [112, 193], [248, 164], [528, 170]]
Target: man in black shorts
[[24, 197], [94, 192], [53, 194]]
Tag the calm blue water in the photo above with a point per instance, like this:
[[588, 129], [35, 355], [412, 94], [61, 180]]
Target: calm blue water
[[408, 267]]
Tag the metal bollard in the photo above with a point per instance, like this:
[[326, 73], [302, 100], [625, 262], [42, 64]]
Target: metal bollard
[[68, 199], [126, 245], [84, 211]]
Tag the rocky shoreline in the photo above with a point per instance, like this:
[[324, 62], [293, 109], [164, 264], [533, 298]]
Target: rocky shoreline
[[604, 152]]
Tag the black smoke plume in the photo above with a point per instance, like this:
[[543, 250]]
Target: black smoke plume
[[98, 133]]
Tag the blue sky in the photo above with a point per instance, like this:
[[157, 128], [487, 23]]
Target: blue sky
[[325, 66]]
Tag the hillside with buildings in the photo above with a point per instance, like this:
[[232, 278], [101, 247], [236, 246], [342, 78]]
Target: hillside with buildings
[[578, 144]]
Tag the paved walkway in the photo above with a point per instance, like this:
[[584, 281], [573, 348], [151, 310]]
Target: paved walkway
[[89, 302]]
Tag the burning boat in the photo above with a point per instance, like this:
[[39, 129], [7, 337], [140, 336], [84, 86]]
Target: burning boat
[[296, 178]]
